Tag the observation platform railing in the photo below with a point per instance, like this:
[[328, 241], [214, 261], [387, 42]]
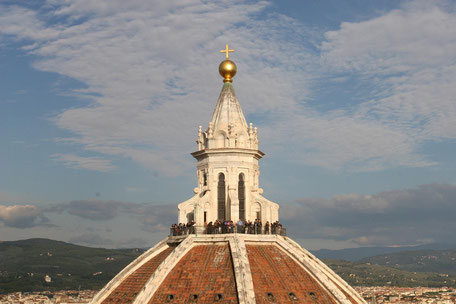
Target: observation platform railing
[[179, 231]]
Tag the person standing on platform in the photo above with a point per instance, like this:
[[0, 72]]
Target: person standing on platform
[[240, 225]]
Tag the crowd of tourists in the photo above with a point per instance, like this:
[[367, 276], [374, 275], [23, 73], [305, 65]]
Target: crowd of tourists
[[227, 226], [183, 229]]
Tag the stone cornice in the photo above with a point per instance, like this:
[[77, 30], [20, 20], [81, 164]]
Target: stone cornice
[[257, 154]]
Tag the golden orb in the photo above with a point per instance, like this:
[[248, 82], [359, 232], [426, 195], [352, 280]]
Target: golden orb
[[227, 69]]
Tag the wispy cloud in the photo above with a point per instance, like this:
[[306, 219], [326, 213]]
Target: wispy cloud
[[91, 239], [149, 67], [97, 240], [96, 210], [152, 77], [395, 217], [407, 58], [79, 162], [402, 216], [155, 218], [384, 218]]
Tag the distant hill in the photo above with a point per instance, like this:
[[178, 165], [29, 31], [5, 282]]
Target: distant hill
[[367, 274], [441, 261], [25, 263], [356, 254], [399, 266]]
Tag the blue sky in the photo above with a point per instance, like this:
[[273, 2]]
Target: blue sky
[[100, 103]]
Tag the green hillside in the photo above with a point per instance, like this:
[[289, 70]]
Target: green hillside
[[441, 261], [367, 274], [24, 264]]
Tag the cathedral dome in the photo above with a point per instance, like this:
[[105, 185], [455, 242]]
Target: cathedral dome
[[227, 268]]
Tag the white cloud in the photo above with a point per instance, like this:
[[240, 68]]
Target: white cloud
[[21, 216], [410, 54], [420, 34], [79, 162], [24, 24], [152, 68], [406, 58], [150, 71]]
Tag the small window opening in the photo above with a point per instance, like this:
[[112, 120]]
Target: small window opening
[[271, 297], [204, 179], [218, 297], [170, 298], [194, 298], [292, 296], [313, 296]]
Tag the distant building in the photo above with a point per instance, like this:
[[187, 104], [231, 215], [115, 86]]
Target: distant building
[[47, 279]]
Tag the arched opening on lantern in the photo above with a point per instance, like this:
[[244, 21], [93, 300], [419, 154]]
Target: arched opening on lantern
[[220, 139], [190, 217], [241, 196], [221, 197], [257, 210]]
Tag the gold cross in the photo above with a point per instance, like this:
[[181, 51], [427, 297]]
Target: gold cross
[[227, 51]]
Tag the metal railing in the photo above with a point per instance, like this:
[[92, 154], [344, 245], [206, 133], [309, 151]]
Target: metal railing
[[178, 231]]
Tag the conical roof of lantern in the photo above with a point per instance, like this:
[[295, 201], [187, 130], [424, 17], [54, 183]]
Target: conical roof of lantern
[[228, 115]]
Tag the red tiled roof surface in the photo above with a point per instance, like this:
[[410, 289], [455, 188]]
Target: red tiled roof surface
[[203, 269], [127, 291], [206, 272], [277, 278]]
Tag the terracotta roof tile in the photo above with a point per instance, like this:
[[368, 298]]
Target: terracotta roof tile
[[206, 272], [127, 291], [277, 278]]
